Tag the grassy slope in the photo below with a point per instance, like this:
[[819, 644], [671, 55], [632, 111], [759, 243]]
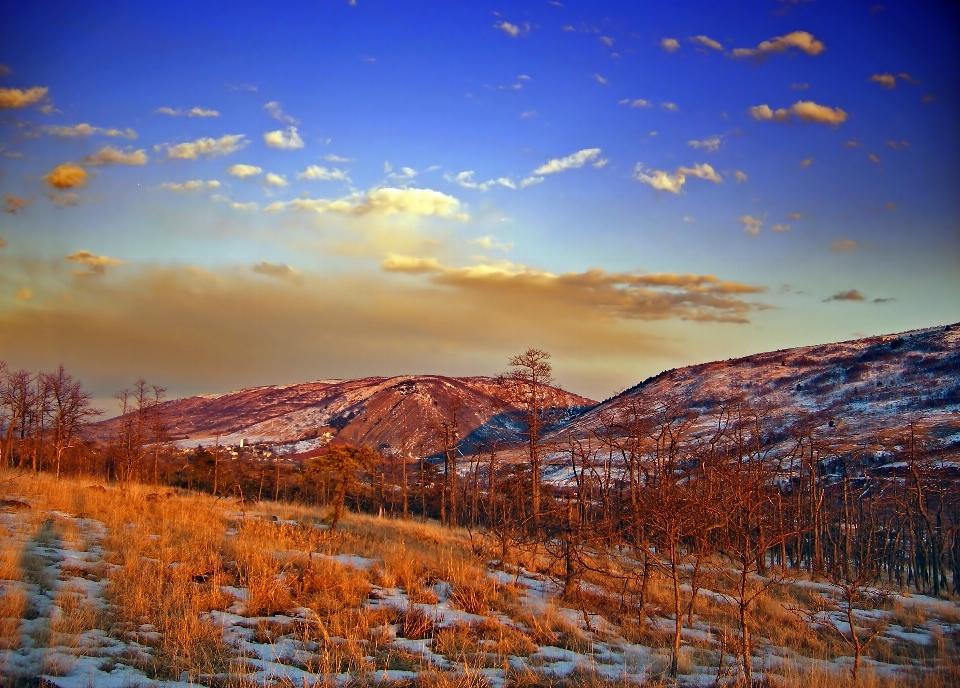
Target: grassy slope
[[114, 585]]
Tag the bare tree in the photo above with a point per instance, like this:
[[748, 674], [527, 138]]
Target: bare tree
[[70, 408], [528, 385]]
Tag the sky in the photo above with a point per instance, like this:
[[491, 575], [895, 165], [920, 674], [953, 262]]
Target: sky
[[222, 195]]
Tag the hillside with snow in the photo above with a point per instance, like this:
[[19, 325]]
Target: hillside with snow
[[866, 390], [377, 411]]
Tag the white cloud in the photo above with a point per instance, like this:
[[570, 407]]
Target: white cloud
[[81, 130], [670, 44], [664, 181], [273, 109], [804, 110], [781, 228], [600, 79], [751, 225], [740, 176], [17, 99], [530, 181], [284, 139], [602, 162], [636, 103], [573, 161], [607, 41], [382, 201], [801, 40], [277, 180], [243, 171], [192, 185], [211, 148], [669, 107], [330, 157], [323, 174], [245, 207], [465, 179], [196, 111], [707, 42], [711, 144], [512, 30], [108, 155]]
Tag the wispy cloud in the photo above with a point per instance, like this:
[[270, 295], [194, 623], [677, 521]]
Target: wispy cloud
[[284, 139], [843, 245], [465, 179], [804, 110], [849, 295], [740, 176], [780, 228], [672, 183], [273, 109], [491, 242], [17, 99], [897, 145], [94, 264], [874, 158], [205, 147], [751, 225], [195, 111], [710, 144], [314, 172], [636, 102], [512, 30], [799, 40], [600, 79], [192, 185], [670, 107], [805, 163], [707, 42], [83, 130], [108, 155], [13, 205], [277, 270], [330, 157], [632, 296], [573, 161]]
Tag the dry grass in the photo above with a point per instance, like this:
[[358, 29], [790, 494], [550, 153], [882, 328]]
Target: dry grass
[[13, 604]]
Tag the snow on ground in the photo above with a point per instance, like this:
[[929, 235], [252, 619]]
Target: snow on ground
[[99, 657]]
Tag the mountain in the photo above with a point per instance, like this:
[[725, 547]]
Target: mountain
[[860, 389], [376, 411]]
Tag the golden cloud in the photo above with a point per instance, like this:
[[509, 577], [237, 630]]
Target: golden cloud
[[67, 176], [96, 265], [804, 110], [13, 205], [631, 296], [280, 270], [800, 40], [670, 44], [751, 225], [17, 99], [193, 330]]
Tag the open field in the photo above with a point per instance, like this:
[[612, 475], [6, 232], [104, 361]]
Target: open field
[[123, 585]]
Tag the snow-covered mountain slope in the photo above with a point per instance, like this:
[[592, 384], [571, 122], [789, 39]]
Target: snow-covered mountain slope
[[862, 389], [376, 411]]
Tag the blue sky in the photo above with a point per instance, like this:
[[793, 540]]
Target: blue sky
[[218, 195]]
